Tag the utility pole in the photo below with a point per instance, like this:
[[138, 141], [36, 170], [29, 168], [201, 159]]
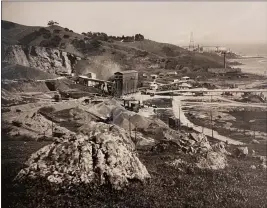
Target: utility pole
[[211, 124], [244, 122], [135, 135], [130, 128], [52, 127], [179, 118]]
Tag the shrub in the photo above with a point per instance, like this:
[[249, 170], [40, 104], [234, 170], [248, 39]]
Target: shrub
[[67, 29], [138, 37], [85, 38], [66, 36], [17, 123], [47, 35], [53, 43], [57, 31], [71, 30], [30, 37], [62, 45]]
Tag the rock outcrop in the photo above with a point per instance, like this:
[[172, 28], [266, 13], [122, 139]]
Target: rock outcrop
[[50, 60], [102, 154], [196, 145]]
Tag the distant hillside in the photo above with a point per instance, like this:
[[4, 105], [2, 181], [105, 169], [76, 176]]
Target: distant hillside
[[140, 55], [161, 49]]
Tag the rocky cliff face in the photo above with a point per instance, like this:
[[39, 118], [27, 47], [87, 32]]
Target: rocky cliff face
[[46, 59]]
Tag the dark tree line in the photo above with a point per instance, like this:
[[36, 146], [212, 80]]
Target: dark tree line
[[104, 37]]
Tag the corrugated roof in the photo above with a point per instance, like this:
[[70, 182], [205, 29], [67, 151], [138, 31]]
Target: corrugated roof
[[126, 72], [92, 79], [185, 85]]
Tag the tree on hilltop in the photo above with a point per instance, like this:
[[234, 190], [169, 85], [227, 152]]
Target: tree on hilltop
[[138, 37], [51, 22]]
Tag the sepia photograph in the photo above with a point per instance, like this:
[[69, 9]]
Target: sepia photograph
[[134, 104]]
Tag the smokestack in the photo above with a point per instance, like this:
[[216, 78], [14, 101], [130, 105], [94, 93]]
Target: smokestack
[[224, 59]]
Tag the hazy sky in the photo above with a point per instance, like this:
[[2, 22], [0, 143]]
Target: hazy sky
[[218, 22]]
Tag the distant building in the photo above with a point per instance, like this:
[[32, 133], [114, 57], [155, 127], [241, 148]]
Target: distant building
[[90, 82], [161, 75], [144, 75], [185, 78], [154, 76], [185, 86], [126, 82], [153, 86], [175, 80], [91, 75], [173, 73], [224, 70]]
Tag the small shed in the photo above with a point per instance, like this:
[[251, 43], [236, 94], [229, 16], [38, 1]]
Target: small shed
[[185, 86], [185, 78], [173, 73], [153, 86], [154, 76]]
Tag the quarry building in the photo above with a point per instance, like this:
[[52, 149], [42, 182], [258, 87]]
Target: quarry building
[[125, 82]]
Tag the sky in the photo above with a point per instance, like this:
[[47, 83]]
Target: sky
[[170, 22]]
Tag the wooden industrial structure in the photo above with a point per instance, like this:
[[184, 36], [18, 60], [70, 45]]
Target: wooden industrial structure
[[125, 82]]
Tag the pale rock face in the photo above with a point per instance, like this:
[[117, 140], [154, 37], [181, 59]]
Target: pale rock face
[[220, 147], [242, 151], [102, 157], [46, 59], [213, 160]]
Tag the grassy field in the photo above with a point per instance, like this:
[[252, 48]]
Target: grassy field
[[236, 186]]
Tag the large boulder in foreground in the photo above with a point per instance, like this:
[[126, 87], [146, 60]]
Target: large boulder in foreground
[[101, 156]]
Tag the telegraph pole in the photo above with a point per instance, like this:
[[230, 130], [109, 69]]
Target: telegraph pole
[[179, 118], [135, 134], [211, 124], [130, 128], [52, 127], [244, 122]]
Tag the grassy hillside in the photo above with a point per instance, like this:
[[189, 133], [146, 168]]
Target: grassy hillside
[[160, 49], [139, 55], [13, 32], [18, 72]]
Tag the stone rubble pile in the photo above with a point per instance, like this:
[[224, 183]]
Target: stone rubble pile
[[193, 143], [100, 154], [207, 156]]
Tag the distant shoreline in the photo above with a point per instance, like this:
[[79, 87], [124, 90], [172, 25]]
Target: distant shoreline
[[250, 57]]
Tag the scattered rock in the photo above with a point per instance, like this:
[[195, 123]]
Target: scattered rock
[[212, 160], [220, 147], [253, 167], [241, 151], [254, 141], [173, 141], [177, 164]]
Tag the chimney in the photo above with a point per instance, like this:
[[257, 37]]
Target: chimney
[[224, 59]]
